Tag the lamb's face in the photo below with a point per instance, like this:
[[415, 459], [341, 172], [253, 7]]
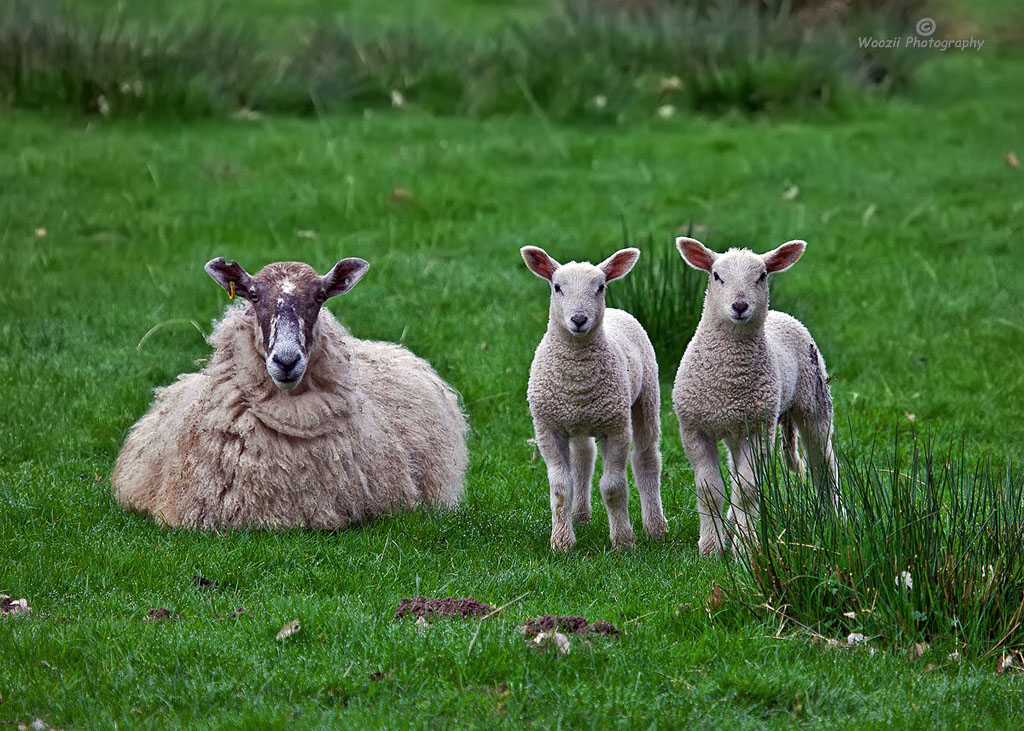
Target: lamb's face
[[577, 289], [738, 288], [577, 297], [286, 298]]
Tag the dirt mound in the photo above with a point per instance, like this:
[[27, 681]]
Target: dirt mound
[[161, 614], [444, 607], [574, 625]]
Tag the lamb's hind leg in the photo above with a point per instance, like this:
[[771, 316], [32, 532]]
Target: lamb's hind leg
[[646, 460], [791, 444], [554, 448], [816, 433], [702, 451], [615, 489], [582, 454]]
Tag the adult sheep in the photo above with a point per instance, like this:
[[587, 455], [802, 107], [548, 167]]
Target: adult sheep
[[294, 422]]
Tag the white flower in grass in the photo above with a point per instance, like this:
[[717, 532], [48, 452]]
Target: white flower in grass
[[666, 111], [905, 580], [600, 101], [397, 99]]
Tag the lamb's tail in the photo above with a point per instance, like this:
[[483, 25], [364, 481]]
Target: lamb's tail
[[791, 445]]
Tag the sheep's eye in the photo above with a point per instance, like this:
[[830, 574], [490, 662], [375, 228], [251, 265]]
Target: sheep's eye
[[558, 289], [254, 297], [717, 278], [764, 275], [320, 297], [600, 288]]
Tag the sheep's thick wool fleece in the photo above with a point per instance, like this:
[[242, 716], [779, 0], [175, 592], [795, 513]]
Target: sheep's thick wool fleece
[[724, 385], [589, 388], [371, 429]]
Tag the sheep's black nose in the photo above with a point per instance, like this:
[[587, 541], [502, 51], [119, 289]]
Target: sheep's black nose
[[579, 320], [288, 362], [740, 307]]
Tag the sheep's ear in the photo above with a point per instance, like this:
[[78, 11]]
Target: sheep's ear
[[695, 253], [618, 264], [538, 261], [344, 276], [234, 279], [782, 258]]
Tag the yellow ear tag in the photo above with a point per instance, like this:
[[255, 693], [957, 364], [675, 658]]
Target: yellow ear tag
[[231, 293]]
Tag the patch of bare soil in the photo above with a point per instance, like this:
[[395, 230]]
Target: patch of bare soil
[[570, 625], [442, 607]]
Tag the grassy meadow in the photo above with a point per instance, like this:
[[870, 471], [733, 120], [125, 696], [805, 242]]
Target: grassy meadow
[[911, 285]]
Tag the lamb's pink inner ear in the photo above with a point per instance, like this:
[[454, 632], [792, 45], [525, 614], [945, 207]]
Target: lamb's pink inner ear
[[785, 256], [538, 261], [618, 264], [695, 253], [344, 276]]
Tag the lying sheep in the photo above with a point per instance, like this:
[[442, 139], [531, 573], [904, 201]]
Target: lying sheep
[[747, 370], [595, 375], [294, 422]]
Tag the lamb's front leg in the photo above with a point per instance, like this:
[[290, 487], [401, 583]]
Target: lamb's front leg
[[747, 452], [615, 489], [554, 448], [702, 451], [582, 454]]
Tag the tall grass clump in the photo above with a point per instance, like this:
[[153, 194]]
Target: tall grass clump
[[666, 296], [931, 550]]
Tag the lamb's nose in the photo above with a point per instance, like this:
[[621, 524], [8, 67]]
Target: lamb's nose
[[740, 307], [579, 320], [287, 362]]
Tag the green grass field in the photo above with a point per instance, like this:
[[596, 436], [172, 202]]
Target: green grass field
[[911, 284]]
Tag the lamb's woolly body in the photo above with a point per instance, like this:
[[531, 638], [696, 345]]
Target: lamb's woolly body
[[372, 429], [587, 388], [725, 384]]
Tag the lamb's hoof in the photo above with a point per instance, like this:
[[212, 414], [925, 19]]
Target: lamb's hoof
[[657, 530], [562, 542], [711, 546], [624, 541]]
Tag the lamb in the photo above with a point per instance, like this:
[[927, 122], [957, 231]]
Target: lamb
[[594, 375], [748, 370], [294, 422]]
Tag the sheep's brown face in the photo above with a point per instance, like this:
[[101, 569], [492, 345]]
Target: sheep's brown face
[[287, 297]]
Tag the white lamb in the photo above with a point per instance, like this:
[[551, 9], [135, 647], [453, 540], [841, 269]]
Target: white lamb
[[595, 376], [294, 422], [747, 371]]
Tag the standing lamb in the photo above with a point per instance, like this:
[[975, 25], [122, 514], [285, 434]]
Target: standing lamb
[[294, 422], [595, 375], [746, 371]]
